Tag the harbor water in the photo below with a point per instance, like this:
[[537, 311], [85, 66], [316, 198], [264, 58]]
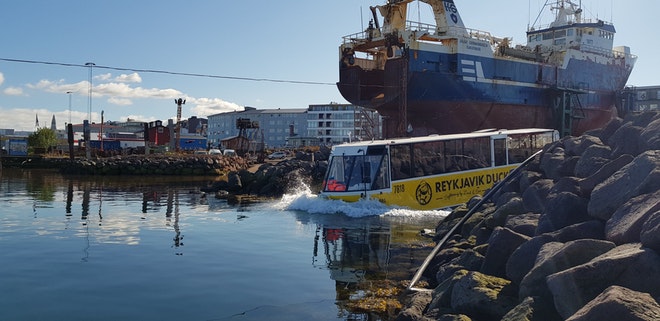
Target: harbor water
[[157, 248]]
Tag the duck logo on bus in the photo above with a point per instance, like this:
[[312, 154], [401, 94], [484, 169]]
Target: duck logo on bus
[[424, 193]]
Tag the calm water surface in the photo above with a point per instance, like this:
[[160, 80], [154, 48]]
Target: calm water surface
[[145, 248]]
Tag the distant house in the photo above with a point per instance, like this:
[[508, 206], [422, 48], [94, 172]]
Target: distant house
[[158, 134], [237, 143]]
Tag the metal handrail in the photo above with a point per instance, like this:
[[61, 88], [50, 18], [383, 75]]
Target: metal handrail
[[471, 211]]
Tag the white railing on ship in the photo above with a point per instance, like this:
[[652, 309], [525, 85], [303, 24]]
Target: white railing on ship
[[607, 52], [363, 36], [570, 23]]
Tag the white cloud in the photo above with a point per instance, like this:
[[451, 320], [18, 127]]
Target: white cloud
[[2, 79], [13, 91], [23, 119], [134, 77], [141, 118], [103, 77], [210, 106], [120, 101], [60, 87], [112, 89]]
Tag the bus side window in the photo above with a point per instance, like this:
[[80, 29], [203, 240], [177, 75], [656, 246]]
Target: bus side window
[[400, 161], [499, 148]]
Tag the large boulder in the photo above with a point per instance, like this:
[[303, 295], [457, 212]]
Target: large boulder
[[555, 257], [532, 309], [414, 310], [625, 225], [650, 234], [563, 210], [502, 243], [524, 257], [588, 184], [627, 140], [524, 224], [627, 265], [535, 196], [651, 135], [483, 296], [551, 162], [576, 146], [592, 159], [639, 176], [621, 304]]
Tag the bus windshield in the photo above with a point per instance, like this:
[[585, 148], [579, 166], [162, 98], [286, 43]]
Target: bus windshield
[[357, 173]]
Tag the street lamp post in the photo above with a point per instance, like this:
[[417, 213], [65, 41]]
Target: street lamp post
[[88, 148], [69, 93], [89, 94]]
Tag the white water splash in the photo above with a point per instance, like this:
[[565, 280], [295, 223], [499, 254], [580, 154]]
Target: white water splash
[[302, 199]]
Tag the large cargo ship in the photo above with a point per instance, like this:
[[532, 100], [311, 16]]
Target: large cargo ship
[[446, 78]]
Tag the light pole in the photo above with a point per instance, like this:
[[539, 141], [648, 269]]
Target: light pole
[[87, 135], [89, 94], [69, 93]]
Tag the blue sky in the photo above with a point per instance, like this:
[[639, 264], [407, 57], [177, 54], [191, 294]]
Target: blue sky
[[292, 40]]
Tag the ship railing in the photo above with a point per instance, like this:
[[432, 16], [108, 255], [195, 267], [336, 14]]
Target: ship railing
[[609, 53], [370, 34], [570, 23], [450, 31], [362, 36]]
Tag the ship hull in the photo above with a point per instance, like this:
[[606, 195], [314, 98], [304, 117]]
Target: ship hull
[[427, 92]]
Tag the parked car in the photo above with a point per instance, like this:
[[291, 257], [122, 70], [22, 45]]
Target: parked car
[[277, 155], [215, 152]]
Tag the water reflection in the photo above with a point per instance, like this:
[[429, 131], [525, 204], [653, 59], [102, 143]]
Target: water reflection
[[85, 218], [97, 197], [362, 254]]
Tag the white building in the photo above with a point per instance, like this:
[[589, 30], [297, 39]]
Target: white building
[[275, 125], [340, 123]]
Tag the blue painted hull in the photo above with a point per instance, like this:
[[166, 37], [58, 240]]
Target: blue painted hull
[[448, 93]]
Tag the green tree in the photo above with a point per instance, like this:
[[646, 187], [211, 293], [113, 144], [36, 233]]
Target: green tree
[[42, 139]]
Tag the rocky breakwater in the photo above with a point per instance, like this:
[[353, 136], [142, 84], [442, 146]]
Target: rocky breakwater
[[274, 179], [156, 165], [575, 237]]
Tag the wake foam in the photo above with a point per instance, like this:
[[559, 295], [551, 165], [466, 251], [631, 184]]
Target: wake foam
[[302, 199]]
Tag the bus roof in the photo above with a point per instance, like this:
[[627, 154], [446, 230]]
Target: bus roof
[[350, 148]]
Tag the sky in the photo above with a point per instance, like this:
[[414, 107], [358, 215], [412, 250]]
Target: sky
[[223, 55]]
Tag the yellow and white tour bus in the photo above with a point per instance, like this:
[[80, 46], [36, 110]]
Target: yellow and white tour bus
[[430, 172]]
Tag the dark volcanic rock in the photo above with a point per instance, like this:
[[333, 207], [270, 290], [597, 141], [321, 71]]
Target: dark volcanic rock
[[592, 159], [482, 295], [628, 265], [535, 196], [651, 135], [588, 184], [533, 309], [625, 225], [627, 140], [620, 303], [501, 244], [563, 210], [650, 234], [633, 179], [555, 257]]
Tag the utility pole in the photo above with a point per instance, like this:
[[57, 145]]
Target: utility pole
[[87, 129], [177, 127]]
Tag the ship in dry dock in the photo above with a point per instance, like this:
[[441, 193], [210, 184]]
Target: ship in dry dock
[[445, 78]]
